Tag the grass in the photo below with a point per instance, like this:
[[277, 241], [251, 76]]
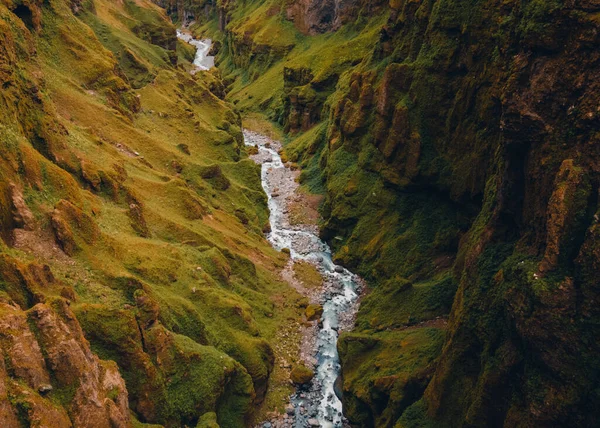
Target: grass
[[308, 274], [259, 123], [398, 303]]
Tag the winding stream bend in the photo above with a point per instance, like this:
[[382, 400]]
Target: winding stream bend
[[202, 60], [318, 404]]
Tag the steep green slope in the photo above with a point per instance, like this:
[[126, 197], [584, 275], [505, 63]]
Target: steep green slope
[[455, 145], [125, 195]]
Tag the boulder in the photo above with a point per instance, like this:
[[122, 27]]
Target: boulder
[[301, 375], [313, 312]]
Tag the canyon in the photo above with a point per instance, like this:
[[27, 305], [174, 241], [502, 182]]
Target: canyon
[[441, 161]]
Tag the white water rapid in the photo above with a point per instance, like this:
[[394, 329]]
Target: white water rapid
[[203, 61], [317, 404]]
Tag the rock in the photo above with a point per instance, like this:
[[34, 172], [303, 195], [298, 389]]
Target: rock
[[301, 375], [58, 346], [208, 420], [45, 388], [338, 269], [313, 312], [313, 422], [22, 215], [289, 409], [569, 198], [148, 308]]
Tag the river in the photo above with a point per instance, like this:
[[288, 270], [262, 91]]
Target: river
[[202, 61], [317, 404]]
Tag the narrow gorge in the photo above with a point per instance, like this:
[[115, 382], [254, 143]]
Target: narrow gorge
[[299, 213]]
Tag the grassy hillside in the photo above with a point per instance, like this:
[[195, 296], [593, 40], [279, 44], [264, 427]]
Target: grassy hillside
[[124, 178]]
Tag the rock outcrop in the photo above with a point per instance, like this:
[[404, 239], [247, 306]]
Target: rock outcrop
[[320, 16], [45, 356]]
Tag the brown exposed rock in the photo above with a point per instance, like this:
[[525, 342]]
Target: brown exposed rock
[[563, 207], [26, 283], [7, 412], [58, 347], [22, 216], [396, 79], [20, 348], [320, 16], [39, 412], [73, 364], [72, 227]]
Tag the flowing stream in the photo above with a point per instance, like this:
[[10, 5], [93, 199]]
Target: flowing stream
[[202, 60], [317, 404]]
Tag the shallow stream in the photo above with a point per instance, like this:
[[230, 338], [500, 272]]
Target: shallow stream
[[202, 60], [317, 404]]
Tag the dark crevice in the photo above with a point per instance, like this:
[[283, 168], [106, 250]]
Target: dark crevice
[[141, 335], [25, 14]]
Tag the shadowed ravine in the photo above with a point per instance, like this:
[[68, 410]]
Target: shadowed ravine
[[318, 404]]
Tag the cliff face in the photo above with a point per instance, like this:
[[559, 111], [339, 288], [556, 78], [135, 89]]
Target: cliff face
[[502, 115], [456, 144], [44, 355], [314, 17], [496, 120]]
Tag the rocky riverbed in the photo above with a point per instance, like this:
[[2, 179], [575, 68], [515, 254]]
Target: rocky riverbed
[[318, 402]]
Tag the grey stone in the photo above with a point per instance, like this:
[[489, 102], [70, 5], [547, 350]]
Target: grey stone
[[45, 388]]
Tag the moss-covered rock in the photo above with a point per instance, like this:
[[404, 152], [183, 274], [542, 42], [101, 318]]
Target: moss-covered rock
[[208, 420], [313, 312], [301, 375]]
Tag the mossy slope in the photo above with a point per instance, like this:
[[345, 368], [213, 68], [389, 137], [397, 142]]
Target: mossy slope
[[125, 176]]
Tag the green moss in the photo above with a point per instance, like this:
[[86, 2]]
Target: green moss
[[397, 303], [415, 416], [308, 274], [301, 375], [385, 373], [208, 420], [200, 376]]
